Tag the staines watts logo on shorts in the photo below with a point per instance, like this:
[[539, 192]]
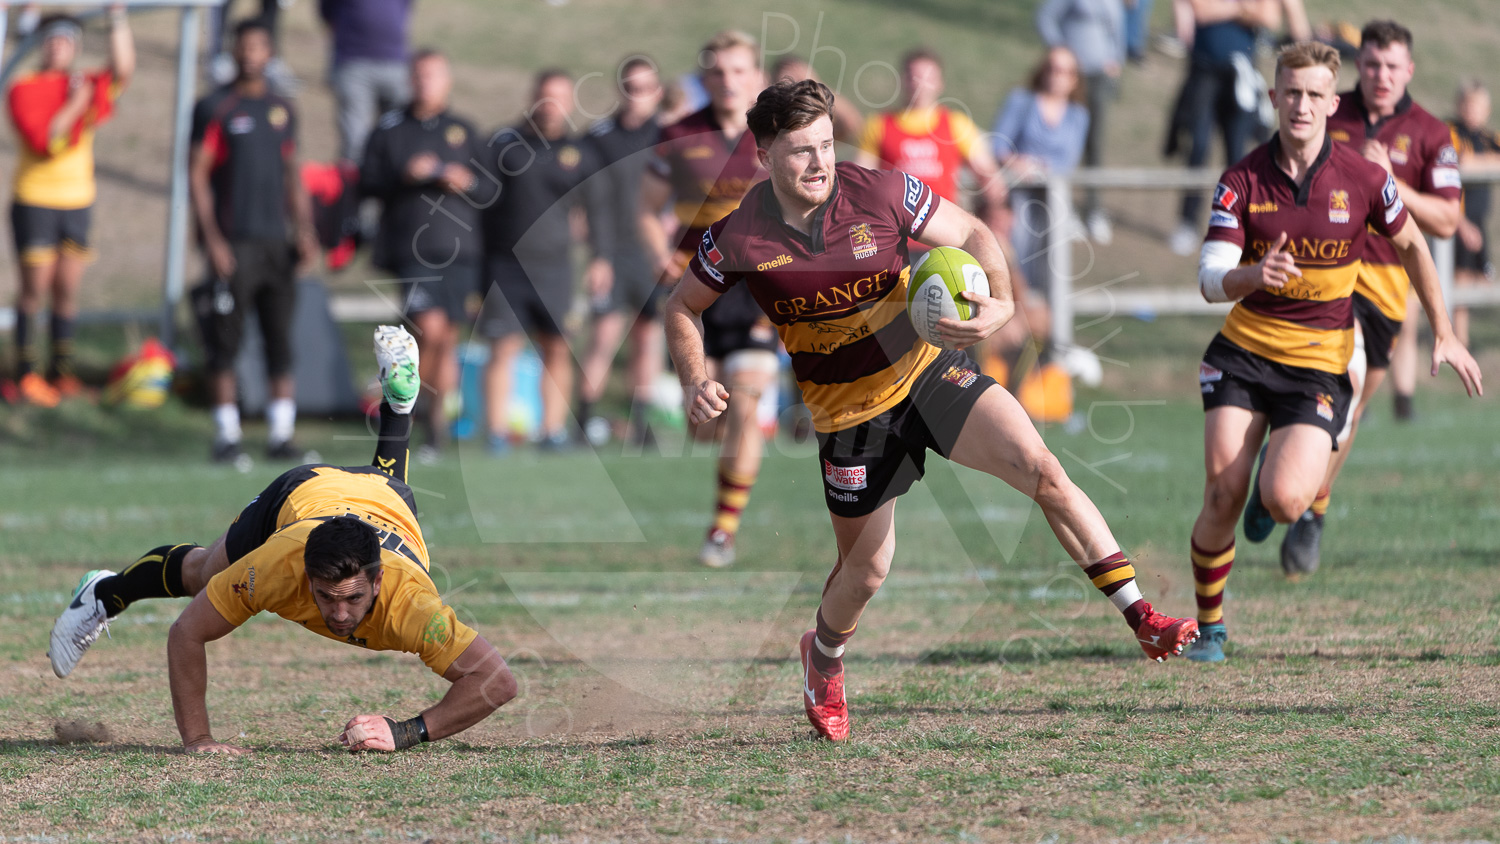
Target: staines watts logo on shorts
[[1325, 406], [843, 477], [1207, 375], [960, 376]]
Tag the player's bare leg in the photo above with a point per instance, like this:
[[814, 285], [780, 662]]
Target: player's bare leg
[[557, 386], [69, 276], [866, 546], [1301, 547], [499, 381], [646, 353], [36, 281], [750, 373], [604, 341], [1231, 440], [1000, 440], [1404, 363], [437, 338]]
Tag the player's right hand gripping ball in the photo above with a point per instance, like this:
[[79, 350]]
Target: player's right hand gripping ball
[[938, 279]]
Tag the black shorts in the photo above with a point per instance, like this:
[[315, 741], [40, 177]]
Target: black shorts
[[255, 524], [1380, 332], [734, 323], [41, 233], [636, 291], [1473, 260], [1288, 395], [873, 462], [263, 278], [448, 289], [534, 298]]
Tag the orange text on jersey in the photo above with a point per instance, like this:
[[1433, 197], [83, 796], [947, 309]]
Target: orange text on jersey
[[838, 296], [1305, 248]]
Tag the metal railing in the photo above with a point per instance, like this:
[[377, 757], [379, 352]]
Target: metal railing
[[1067, 303]]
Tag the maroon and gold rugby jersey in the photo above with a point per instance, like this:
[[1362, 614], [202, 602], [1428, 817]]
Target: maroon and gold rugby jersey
[[837, 297], [1422, 155], [1328, 220], [709, 174]]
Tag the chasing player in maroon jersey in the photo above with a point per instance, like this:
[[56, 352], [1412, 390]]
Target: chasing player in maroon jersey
[[1290, 229], [823, 248], [1380, 121], [706, 161]]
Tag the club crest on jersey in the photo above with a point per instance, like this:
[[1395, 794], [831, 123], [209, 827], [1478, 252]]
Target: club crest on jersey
[[1338, 206], [1401, 149], [862, 240], [1325, 406], [844, 477], [912, 193], [1224, 197], [455, 135], [277, 116], [709, 251], [568, 157]]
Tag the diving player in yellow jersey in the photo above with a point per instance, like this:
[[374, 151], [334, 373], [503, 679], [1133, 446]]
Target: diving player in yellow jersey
[[335, 549]]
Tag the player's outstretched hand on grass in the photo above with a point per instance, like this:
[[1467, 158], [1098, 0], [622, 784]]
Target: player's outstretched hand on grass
[[1448, 350], [987, 316], [1278, 266], [707, 401], [368, 732], [211, 746]]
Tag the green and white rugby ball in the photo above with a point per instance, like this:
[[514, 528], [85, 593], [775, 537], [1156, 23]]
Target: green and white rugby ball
[[933, 291]]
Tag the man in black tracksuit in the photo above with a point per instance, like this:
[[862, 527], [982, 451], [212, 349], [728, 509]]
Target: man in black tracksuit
[[422, 162], [624, 142], [544, 173]]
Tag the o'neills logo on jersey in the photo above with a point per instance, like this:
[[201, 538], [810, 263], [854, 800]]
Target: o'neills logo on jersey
[[1262, 208], [839, 296], [778, 261], [862, 241], [1339, 135], [843, 477], [1305, 248], [1338, 206]]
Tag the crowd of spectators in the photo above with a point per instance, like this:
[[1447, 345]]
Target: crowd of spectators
[[480, 228]]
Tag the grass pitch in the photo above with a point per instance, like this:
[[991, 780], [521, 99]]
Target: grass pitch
[[995, 695]]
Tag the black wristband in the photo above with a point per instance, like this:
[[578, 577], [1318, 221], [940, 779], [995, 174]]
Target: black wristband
[[408, 733]]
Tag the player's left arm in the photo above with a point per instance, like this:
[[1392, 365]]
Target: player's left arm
[[482, 683], [953, 226], [1424, 280]]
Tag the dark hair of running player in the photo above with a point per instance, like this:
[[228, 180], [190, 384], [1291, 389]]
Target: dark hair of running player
[[787, 106]]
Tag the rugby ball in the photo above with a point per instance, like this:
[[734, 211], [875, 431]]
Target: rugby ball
[[932, 293]]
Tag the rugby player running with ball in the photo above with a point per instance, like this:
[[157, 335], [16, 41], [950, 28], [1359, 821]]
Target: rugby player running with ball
[[823, 249]]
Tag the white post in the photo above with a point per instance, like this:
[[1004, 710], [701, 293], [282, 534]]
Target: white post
[[1059, 260], [177, 209], [1442, 255]]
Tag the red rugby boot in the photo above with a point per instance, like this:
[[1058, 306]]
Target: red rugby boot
[[823, 696], [1162, 636]]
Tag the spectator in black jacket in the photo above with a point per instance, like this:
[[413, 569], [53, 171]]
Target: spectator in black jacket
[[623, 143], [422, 162], [544, 173]]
